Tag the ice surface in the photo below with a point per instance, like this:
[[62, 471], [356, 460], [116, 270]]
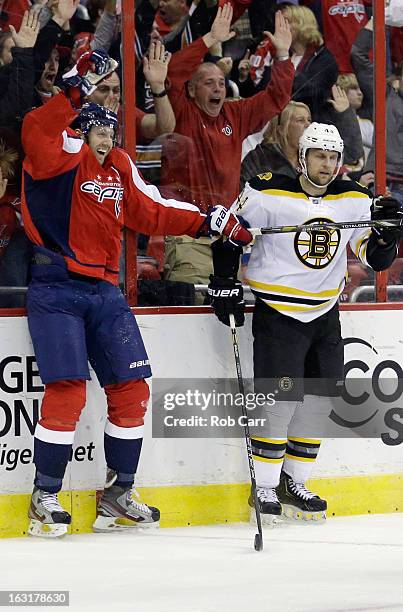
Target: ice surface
[[349, 564]]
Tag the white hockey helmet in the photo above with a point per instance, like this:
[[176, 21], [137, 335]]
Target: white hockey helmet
[[320, 136]]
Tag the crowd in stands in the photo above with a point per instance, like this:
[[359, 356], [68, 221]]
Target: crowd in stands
[[224, 89]]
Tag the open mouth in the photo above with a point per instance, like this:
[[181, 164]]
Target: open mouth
[[101, 151], [216, 101], [49, 78]]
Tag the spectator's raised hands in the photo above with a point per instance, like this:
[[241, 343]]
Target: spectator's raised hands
[[28, 32], [339, 101], [244, 67], [155, 66], [282, 36], [64, 10], [221, 28]]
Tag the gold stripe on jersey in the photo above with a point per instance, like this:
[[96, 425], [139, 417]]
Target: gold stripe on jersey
[[345, 194], [289, 308], [288, 194], [292, 290], [360, 244]]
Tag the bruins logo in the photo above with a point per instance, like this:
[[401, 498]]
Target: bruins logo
[[266, 176], [317, 249]]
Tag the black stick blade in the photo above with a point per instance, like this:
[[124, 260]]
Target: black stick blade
[[258, 542]]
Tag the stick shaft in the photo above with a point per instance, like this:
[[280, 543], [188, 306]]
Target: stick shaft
[[319, 227], [246, 426]]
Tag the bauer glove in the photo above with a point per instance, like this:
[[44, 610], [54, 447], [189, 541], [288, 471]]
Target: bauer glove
[[83, 78], [226, 297], [385, 207], [223, 222]]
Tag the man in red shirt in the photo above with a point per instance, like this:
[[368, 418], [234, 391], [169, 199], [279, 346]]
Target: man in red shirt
[[204, 163]]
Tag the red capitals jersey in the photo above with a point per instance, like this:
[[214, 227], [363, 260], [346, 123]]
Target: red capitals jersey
[[342, 20], [74, 206]]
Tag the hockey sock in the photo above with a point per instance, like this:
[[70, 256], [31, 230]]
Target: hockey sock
[[122, 451], [300, 457], [51, 453], [268, 455]]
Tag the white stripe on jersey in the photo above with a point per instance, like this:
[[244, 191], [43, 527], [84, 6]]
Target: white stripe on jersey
[[152, 192]]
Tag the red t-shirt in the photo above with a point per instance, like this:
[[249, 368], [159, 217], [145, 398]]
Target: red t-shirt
[[342, 20], [9, 220], [202, 160], [14, 9]]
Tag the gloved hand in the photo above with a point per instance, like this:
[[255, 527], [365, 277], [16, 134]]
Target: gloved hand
[[226, 297], [224, 222], [83, 78], [385, 207]]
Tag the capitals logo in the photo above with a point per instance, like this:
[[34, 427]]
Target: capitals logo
[[104, 192], [317, 249], [349, 8]]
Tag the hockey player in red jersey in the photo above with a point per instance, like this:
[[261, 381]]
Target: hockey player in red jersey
[[78, 192]]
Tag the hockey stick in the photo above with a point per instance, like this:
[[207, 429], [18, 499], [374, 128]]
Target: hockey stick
[[319, 227], [258, 536]]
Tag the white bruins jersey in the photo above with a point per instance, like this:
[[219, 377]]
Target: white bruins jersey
[[302, 274]]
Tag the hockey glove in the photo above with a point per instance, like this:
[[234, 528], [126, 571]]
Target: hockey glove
[[226, 297], [386, 208], [83, 78], [224, 222]]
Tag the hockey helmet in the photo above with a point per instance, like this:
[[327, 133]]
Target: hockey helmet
[[94, 114], [320, 136]]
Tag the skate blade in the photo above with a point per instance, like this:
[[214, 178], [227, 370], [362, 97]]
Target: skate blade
[[47, 530], [292, 513], [268, 520], [106, 524]]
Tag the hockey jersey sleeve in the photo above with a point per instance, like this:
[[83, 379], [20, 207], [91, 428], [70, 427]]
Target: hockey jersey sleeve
[[50, 146], [365, 244], [248, 205], [146, 211]]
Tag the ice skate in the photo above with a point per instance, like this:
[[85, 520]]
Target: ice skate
[[117, 510], [269, 506], [48, 518], [299, 503]]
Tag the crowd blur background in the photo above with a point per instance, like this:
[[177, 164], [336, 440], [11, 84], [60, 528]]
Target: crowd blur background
[[332, 53]]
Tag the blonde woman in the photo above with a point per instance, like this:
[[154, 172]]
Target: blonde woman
[[279, 150]]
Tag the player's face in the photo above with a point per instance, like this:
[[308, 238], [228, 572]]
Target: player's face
[[208, 91], [321, 165], [100, 141]]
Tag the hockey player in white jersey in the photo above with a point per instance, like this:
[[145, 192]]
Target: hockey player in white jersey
[[297, 279]]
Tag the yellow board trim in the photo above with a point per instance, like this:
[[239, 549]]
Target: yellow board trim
[[217, 504], [292, 290]]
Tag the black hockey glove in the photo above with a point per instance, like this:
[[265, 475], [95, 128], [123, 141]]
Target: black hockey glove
[[226, 297], [385, 207]]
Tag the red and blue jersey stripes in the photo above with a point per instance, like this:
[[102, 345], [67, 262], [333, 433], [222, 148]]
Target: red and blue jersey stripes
[[74, 206]]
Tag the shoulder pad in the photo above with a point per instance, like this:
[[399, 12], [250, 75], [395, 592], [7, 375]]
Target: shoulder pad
[[340, 186], [268, 181]]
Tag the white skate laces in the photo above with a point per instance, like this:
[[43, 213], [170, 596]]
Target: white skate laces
[[301, 490], [134, 504], [267, 495], [50, 502]]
